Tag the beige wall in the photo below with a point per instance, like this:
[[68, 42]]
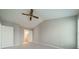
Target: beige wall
[[59, 33]]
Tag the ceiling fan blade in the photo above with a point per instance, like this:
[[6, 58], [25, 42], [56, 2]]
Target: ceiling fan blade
[[36, 17], [25, 14], [30, 18], [31, 11]]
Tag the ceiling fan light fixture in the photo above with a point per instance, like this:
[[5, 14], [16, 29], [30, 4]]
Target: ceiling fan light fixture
[[31, 15]]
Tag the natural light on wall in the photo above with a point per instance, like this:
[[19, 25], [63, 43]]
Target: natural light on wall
[[27, 36]]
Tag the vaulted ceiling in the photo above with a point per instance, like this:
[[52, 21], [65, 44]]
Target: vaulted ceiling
[[15, 15]]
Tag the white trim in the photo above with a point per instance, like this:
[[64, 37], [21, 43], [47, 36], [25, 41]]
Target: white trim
[[53, 46]]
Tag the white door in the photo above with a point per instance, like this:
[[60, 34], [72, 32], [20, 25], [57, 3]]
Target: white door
[[7, 36]]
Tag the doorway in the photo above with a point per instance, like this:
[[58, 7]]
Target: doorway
[[27, 37]]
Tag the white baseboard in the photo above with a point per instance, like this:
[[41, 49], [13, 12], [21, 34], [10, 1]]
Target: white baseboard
[[53, 46]]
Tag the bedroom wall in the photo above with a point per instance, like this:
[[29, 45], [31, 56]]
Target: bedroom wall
[[59, 33]]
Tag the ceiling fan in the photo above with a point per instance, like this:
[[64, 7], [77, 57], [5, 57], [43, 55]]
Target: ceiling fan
[[31, 14]]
